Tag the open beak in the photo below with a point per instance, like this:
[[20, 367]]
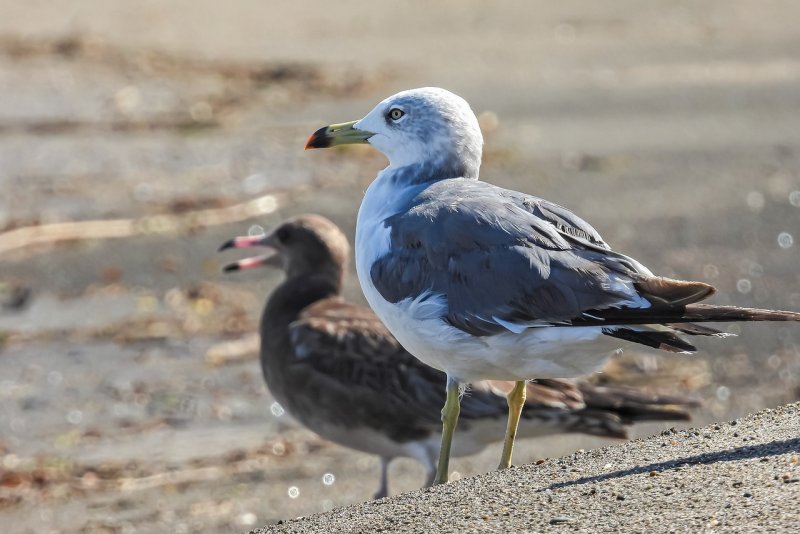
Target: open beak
[[337, 134], [271, 258]]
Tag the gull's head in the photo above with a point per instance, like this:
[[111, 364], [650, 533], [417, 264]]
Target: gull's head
[[428, 127]]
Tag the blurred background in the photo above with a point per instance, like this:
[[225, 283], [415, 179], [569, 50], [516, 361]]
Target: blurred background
[[136, 137]]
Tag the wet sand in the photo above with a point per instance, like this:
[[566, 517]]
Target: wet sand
[[673, 130]]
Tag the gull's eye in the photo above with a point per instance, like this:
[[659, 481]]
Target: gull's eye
[[395, 114]]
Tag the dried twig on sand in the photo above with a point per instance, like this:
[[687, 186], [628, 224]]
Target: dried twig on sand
[[152, 224]]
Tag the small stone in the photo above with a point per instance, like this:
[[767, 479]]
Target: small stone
[[747, 494], [653, 473], [561, 519], [620, 497], [738, 484], [539, 462]]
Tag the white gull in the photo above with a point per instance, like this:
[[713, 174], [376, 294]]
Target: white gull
[[488, 283]]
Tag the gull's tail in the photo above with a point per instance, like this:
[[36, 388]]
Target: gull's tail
[[657, 328], [673, 308]]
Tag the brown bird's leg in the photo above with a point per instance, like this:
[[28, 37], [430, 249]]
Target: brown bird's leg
[[383, 491]]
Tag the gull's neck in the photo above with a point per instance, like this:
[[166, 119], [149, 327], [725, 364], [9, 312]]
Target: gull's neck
[[415, 165], [412, 174]]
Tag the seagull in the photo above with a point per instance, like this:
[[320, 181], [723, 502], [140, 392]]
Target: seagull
[[336, 368], [483, 282]]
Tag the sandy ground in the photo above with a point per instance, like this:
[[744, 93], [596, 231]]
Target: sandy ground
[[738, 476], [674, 129]]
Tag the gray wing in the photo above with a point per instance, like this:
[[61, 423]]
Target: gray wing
[[502, 259], [359, 357]]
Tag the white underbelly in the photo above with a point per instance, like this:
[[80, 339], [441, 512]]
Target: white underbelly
[[539, 352]]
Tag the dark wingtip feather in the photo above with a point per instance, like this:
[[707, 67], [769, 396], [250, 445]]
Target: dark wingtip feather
[[658, 340]]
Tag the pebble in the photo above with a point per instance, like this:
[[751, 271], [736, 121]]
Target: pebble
[[561, 519]]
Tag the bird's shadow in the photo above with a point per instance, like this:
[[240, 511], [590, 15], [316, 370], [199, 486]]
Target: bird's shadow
[[773, 448]]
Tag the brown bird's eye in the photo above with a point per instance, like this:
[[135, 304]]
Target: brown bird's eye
[[283, 235], [395, 114]]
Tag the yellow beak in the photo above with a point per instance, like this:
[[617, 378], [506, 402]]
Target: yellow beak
[[337, 134]]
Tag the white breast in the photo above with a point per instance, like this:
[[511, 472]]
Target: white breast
[[372, 236]]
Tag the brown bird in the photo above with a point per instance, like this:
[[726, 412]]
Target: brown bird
[[336, 368]]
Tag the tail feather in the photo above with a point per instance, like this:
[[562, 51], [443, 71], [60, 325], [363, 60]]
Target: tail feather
[[710, 313]]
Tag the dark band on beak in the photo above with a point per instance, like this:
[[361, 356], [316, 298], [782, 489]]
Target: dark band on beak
[[231, 267], [230, 243], [319, 139]]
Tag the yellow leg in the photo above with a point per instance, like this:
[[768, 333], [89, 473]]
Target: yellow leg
[[452, 407], [516, 400]]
